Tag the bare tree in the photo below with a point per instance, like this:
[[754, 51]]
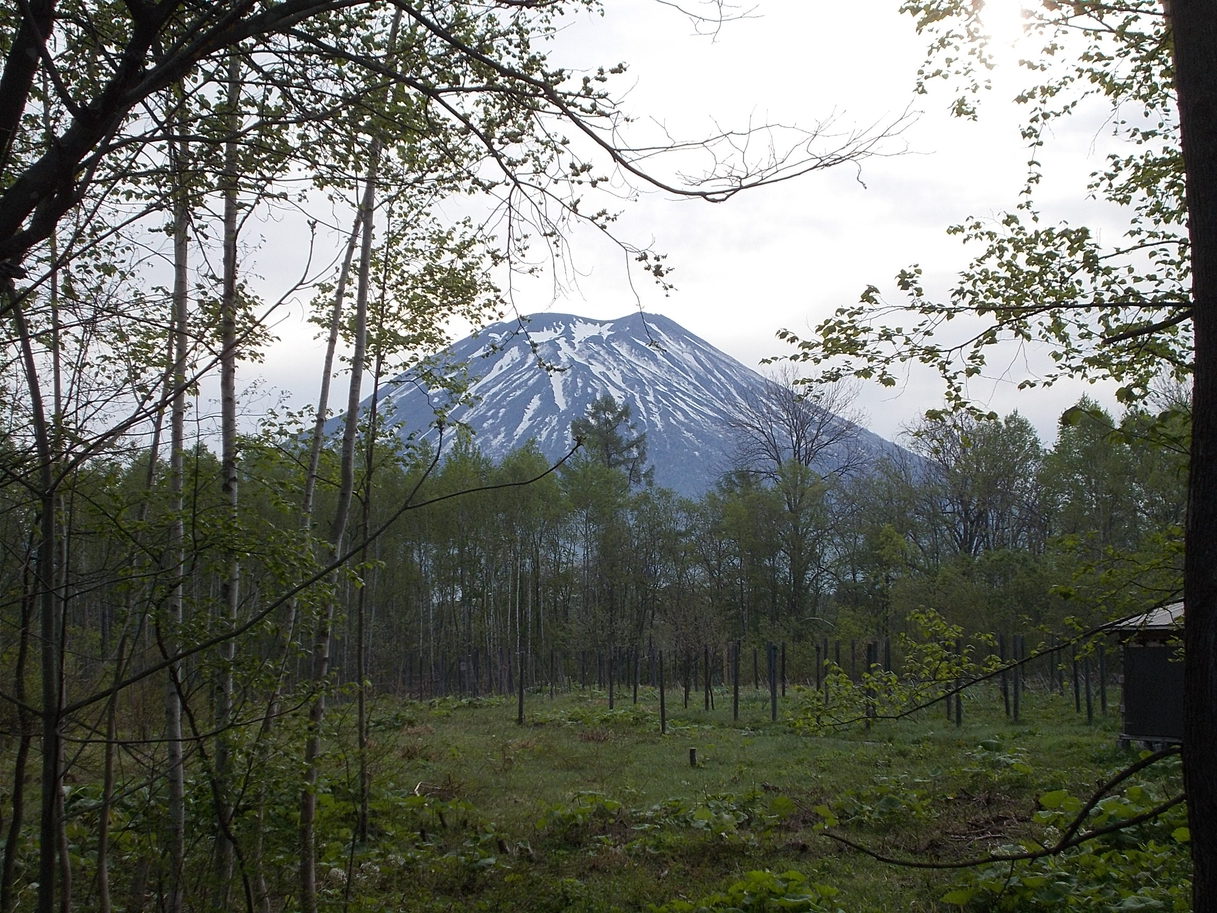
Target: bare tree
[[817, 427]]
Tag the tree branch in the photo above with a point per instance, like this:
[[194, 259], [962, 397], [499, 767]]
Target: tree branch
[[1071, 837]]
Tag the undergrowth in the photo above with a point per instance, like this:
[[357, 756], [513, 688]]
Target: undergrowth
[[589, 810]]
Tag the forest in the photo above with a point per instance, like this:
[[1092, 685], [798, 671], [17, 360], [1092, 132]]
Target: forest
[[979, 521], [204, 619]]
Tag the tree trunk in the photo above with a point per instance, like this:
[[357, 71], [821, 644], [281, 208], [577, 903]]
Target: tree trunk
[[25, 736], [175, 776], [231, 584], [1194, 25], [45, 597], [324, 635], [361, 609]]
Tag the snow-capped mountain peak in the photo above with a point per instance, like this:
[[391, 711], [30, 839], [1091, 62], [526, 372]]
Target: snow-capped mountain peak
[[530, 378]]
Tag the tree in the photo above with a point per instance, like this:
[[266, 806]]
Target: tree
[[598, 495], [609, 438], [799, 444], [981, 483], [1114, 502], [1102, 305], [804, 531], [783, 536], [815, 426], [1124, 311], [1090, 477], [874, 563], [958, 524]]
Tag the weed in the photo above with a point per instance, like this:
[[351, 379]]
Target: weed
[[762, 892], [1142, 868], [588, 810]]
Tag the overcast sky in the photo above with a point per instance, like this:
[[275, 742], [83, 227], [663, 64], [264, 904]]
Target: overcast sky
[[787, 256]]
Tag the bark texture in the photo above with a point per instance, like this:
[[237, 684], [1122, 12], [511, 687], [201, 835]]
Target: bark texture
[[1194, 24]]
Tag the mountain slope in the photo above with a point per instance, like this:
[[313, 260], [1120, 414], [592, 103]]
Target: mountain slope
[[529, 379]]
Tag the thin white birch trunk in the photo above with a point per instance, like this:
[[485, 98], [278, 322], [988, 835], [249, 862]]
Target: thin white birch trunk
[[324, 634], [231, 586], [175, 775], [338, 528]]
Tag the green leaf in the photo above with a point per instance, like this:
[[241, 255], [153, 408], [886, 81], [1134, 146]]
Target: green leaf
[[1054, 799], [782, 806], [959, 897]]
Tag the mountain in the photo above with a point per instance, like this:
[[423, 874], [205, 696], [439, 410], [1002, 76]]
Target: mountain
[[530, 378]]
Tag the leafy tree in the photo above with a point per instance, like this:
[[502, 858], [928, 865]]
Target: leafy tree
[[805, 534], [1119, 309], [874, 565], [720, 563], [1102, 305], [1090, 475], [598, 495], [750, 518], [981, 485], [1115, 492], [609, 438], [783, 535]]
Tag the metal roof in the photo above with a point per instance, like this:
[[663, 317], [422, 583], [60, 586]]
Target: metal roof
[[1163, 618]]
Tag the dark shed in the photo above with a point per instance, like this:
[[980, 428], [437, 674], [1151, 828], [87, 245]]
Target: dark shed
[[1153, 677]]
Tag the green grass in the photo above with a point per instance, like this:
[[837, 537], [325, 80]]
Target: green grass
[[587, 809]]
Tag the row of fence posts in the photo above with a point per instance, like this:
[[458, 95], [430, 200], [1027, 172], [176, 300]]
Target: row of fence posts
[[502, 672], [775, 658], [772, 663], [481, 672], [1084, 677]]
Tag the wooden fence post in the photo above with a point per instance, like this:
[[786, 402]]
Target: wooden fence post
[[1077, 685], [735, 681], [663, 700], [688, 677], [872, 660], [1089, 695], [1103, 679], [773, 682], [1019, 650], [783, 668], [611, 676], [637, 672], [520, 688]]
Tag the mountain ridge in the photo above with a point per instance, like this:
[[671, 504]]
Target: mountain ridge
[[530, 377]]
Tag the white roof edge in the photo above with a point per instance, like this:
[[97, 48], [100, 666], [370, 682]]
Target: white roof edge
[[1163, 618]]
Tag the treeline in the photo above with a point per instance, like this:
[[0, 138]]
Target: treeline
[[462, 557]]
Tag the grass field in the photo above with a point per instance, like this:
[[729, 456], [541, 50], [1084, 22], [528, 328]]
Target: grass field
[[583, 808]]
